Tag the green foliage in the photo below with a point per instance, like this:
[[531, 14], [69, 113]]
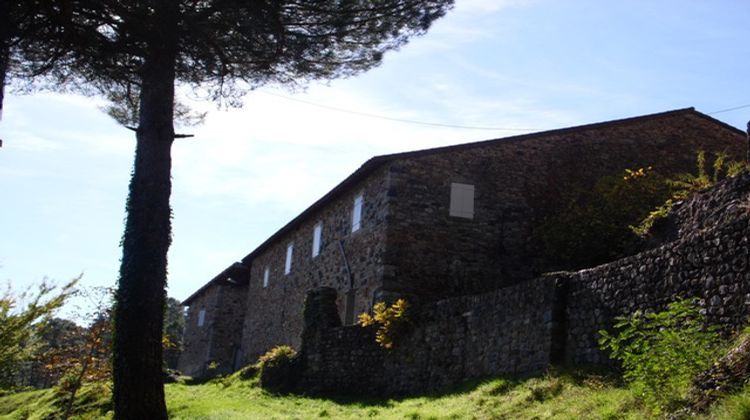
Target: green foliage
[[277, 369], [391, 321], [81, 356], [661, 352], [591, 225], [23, 319], [685, 184], [174, 326]]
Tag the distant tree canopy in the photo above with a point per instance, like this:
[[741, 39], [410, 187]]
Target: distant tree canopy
[[23, 320], [134, 52], [174, 327]]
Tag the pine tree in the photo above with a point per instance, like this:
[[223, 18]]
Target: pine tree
[[134, 52]]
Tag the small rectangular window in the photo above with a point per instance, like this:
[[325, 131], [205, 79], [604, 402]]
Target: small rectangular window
[[357, 213], [201, 317], [462, 200], [266, 275], [317, 234], [288, 263]]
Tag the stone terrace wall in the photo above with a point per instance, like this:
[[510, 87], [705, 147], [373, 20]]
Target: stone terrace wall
[[708, 263], [704, 210], [526, 327], [507, 331]]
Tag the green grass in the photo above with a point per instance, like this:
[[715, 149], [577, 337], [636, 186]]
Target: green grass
[[553, 396], [560, 395], [93, 402], [735, 406]]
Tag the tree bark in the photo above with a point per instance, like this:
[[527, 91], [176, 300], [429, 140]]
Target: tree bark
[[4, 57], [140, 298], [5, 35]]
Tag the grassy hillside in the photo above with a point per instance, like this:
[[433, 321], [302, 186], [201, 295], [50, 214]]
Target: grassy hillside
[[553, 396]]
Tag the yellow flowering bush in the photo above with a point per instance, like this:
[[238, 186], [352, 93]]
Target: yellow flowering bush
[[390, 319]]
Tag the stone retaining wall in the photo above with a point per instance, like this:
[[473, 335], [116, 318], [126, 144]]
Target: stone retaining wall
[[709, 263], [527, 327], [506, 331]]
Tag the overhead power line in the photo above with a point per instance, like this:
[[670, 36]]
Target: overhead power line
[[434, 124], [401, 120], [729, 109]]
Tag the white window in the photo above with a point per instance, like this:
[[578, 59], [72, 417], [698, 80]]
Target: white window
[[266, 275], [317, 233], [201, 317], [357, 214], [288, 263], [462, 200]]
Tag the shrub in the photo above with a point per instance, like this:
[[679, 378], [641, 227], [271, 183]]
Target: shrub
[[685, 184], [661, 352], [248, 372], [23, 319], [590, 226], [391, 319], [278, 369]]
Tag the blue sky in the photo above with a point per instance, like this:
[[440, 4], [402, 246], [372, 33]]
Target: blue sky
[[515, 65]]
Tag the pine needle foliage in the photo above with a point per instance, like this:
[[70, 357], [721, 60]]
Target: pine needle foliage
[[23, 318]]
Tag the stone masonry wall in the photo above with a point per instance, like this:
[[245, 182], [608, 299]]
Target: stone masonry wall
[[506, 331], [710, 263], [197, 340], [433, 255], [218, 339], [226, 328], [274, 313], [556, 318]]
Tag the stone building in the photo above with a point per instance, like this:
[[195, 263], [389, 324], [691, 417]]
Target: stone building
[[428, 224]]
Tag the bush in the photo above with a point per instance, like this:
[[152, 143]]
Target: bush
[[590, 226], [661, 352], [278, 369], [685, 184], [391, 320], [248, 372], [23, 319]]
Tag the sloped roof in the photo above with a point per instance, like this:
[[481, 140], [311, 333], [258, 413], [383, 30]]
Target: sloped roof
[[237, 273], [378, 161]]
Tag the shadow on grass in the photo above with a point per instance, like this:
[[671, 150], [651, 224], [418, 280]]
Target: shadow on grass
[[493, 386], [593, 377]]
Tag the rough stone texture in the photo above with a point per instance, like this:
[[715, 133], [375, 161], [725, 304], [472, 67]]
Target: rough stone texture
[[704, 210], [728, 374], [449, 341], [218, 340], [274, 313], [526, 327], [409, 245], [433, 255], [708, 262]]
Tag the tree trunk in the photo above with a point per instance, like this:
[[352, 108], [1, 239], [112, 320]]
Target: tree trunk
[[5, 34], [140, 298], [4, 57]]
